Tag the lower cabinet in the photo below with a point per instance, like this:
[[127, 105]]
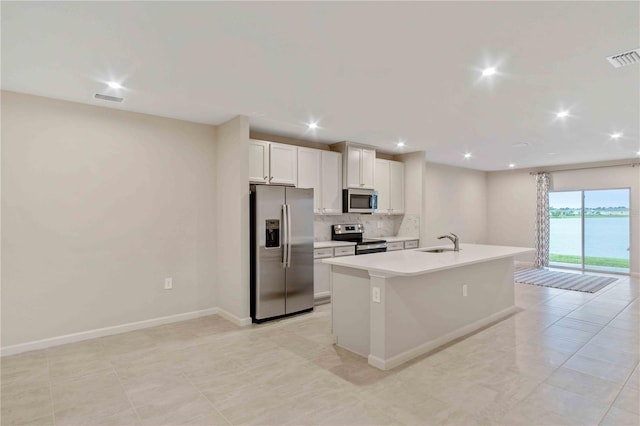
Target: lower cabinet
[[321, 282]]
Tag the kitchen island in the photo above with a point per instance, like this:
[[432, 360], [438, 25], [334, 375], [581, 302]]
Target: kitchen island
[[394, 306]]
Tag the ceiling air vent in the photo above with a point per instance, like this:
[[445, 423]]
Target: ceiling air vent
[[623, 59], [108, 98]]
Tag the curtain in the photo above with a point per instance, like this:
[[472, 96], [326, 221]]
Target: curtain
[[543, 181]]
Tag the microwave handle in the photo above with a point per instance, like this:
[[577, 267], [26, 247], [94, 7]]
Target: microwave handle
[[374, 201]]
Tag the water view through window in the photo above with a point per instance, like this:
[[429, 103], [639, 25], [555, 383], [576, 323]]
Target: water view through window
[[590, 229]]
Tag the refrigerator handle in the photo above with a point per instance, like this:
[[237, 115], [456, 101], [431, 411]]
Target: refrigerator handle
[[285, 235], [288, 236]]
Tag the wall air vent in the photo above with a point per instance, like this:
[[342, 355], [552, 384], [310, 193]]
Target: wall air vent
[[623, 59], [108, 98]]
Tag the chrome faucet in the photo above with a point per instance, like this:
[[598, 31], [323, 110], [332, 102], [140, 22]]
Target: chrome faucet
[[454, 240]]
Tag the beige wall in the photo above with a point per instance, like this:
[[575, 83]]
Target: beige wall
[[232, 198], [512, 202], [511, 210], [455, 200], [98, 207]]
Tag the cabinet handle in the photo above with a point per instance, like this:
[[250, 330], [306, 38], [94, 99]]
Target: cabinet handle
[[265, 178], [271, 178]]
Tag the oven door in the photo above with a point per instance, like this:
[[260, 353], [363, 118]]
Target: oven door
[[359, 201]]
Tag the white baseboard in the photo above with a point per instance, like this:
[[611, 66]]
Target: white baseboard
[[106, 331], [322, 298], [523, 264], [241, 322], [401, 358]]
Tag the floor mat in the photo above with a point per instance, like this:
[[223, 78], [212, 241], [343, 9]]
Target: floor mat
[[563, 280]]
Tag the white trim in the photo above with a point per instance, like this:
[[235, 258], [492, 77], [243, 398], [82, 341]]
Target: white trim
[[401, 358], [241, 322], [106, 331], [523, 264], [321, 298]]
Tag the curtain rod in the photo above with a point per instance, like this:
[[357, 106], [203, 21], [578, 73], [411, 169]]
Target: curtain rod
[[586, 168]]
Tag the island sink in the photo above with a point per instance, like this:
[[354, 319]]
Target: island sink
[[437, 250]]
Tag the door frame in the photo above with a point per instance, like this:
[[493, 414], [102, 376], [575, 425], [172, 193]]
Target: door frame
[[582, 267]]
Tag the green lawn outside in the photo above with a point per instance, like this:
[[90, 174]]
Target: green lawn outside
[[588, 216], [594, 261]]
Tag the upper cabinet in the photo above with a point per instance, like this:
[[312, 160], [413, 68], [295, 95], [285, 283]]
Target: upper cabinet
[[331, 188], [274, 163], [309, 174], [389, 183], [322, 171], [358, 165], [258, 161]]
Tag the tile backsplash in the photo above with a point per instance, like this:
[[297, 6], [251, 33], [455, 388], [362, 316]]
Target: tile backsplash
[[374, 225]]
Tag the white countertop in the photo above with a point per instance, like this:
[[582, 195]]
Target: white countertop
[[327, 244], [395, 239], [417, 262]]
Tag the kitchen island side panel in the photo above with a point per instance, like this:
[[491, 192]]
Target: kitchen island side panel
[[350, 315], [420, 309]]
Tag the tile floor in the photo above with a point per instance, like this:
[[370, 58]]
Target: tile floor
[[565, 358]]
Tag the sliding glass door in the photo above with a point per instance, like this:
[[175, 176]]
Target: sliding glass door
[[590, 230]]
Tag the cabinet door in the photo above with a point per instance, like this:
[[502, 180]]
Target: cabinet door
[[396, 187], [331, 187], [352, 174], [321, 280], [382, 185], [309, 168], [367, 168], [283, 164], [258, 161]]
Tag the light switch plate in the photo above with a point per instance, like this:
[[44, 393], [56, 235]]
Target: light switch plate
[[376, 294]]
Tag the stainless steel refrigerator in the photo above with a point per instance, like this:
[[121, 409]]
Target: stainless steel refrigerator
[[281, 251]]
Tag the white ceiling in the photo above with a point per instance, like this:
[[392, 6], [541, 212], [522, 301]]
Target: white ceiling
[[372, 72]]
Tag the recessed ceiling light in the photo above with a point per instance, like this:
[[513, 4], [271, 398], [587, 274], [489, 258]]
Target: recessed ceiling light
[[400, 144], [562, 114], [467, 155], [616, 135], [511, 166], [520, 145], [114, 85], [313, 125], [488, 72], [638, 153]]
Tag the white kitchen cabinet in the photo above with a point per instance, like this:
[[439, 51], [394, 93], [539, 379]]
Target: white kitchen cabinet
[[321, 275], [389, 183], [360, 168], [411, 244], [381, 185], [396, 245], [331, 183], [283, 164], [258, 161], [271, 162], [309, 174], [396, 187], [322, 171]]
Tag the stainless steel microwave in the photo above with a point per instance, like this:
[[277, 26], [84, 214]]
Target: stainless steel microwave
[[359, 200]]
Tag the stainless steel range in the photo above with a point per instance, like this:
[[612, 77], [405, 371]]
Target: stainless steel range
[[354, 233]]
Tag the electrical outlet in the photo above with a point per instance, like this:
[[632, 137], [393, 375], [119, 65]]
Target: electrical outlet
[[168, 283], [464, 290], [376, 294]]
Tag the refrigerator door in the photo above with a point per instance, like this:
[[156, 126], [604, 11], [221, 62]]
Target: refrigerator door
[[299, 286], [269, 245]]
